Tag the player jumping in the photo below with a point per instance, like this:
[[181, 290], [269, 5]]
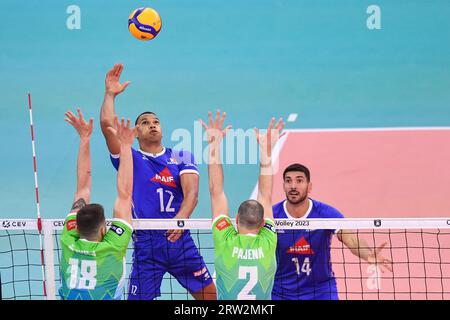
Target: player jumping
[[165, 187], [93, 259], [244, 259]]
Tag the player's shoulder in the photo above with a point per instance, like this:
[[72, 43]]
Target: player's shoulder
[[180, 155], [118, 235], [269, 224], [323, 210], [70, 224], [122, 224], [278, 210], [184, 159], [222, 222]]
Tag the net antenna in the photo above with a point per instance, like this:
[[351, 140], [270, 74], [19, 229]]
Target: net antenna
[[38, 211]]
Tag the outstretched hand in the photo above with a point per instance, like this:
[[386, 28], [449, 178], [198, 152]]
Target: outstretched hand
[[377, 258], [123, 132], [83, 128], [112, 81], [214, 131], [268, 139]]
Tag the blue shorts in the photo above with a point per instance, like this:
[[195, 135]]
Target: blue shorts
[[152, 260], [307, 296], [316, 296], [323, 293]]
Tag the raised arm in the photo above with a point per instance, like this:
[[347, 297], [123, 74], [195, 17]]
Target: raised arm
[[125, 135], [215, 134], [113, 87], [84, 129], [266, 143]]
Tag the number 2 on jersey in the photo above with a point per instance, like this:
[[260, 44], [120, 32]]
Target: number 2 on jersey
[[168, 207], [252, 281]]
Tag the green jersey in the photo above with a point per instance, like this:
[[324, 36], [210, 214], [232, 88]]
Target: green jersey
[[93, 270], [245, 263]]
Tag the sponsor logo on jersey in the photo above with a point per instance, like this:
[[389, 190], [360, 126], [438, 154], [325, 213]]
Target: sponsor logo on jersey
[[117, 230], [222, 224], [71, 224], [200, 272], [164, 178], [172, 161], [189, 164], [270, 227], [85, 252], [301, 247]]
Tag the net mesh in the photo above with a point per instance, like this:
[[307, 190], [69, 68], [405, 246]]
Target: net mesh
[[419, 251], [20, 265]]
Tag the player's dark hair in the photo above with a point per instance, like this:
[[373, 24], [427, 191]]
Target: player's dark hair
[[145, 112], [90, 219], [251, 214], [298, 167]]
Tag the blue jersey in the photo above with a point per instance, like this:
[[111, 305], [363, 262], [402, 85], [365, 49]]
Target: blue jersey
[[157, 192], [304, 269]]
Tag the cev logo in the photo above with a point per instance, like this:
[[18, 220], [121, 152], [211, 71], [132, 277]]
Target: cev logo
[[19, 224], [58, 223]]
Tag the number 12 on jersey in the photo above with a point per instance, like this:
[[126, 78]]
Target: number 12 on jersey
[[168, 206], [306, 266]]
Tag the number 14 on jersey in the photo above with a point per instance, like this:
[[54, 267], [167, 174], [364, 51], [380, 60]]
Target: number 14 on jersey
[[306, 266]]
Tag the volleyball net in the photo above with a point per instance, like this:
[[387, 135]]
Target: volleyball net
[[418, 251]]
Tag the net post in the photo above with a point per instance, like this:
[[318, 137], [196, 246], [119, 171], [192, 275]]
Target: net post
[[49, 259]]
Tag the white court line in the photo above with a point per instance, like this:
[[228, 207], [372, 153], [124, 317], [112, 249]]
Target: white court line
[[280, 144], [292, 117], [370, 129]]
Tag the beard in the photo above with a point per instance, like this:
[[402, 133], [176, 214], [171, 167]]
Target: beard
[[299, 200]]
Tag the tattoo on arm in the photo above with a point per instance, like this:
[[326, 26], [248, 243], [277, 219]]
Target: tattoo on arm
[[77, 205]]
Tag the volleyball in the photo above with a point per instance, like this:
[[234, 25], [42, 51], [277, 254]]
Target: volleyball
[[144, 23]]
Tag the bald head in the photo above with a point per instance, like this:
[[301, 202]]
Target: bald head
[[251, 214]]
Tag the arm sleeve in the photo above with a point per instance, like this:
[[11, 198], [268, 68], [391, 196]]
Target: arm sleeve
[[332, 213], [70, 227], [222, 229], [119, 234], [186, 162], [268, 232], [115, 158]]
